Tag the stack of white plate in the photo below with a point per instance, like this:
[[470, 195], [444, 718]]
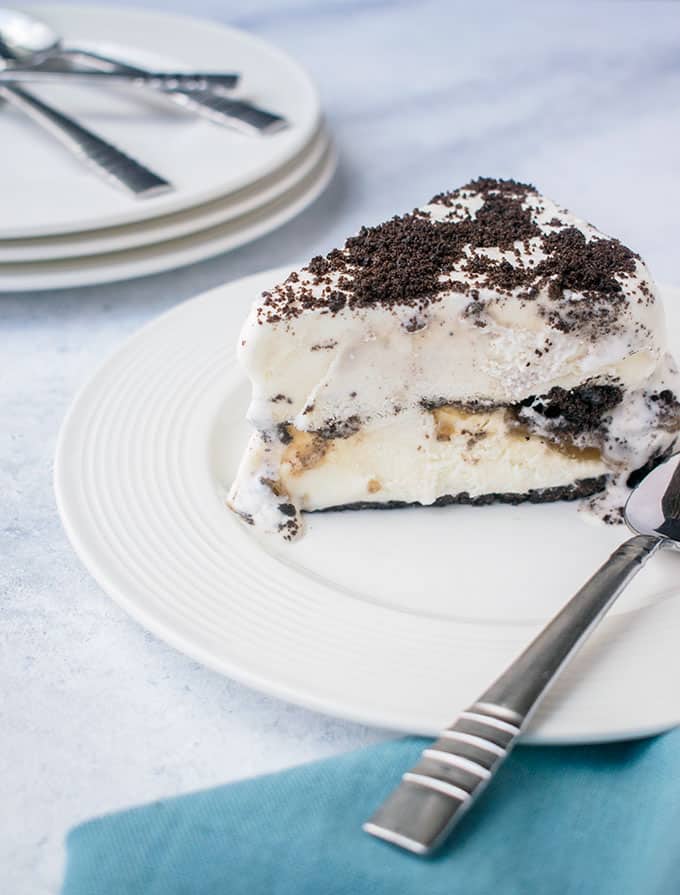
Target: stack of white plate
[[63, 226]]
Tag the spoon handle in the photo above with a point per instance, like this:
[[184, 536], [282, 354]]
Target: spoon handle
[[102, 156], [451, 774]]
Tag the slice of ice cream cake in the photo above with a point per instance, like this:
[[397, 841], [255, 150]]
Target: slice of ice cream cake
[[489, 346]]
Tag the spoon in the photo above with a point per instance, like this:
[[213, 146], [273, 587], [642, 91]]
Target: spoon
[[103, 157], [432, 797], [31, 41]]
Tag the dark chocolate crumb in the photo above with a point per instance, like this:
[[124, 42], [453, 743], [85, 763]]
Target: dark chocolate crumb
[[319, 266], [336, 301], [335, 428], [415, 324], [283, 432], [667, 409], [574, 411], [289, 528], [475, 310]]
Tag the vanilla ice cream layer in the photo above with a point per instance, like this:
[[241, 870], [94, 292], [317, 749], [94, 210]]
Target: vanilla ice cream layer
[[417, 458], [365, 363]]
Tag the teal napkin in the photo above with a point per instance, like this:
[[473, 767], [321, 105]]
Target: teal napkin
[[587, 820]]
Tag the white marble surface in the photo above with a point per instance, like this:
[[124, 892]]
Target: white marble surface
[[580, 99]]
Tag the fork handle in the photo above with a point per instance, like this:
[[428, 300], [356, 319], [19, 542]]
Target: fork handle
[[236, 113], [451, 774], [169, 81], [101, 155]]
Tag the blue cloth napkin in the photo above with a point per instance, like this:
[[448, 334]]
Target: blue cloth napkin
[[587, 820]]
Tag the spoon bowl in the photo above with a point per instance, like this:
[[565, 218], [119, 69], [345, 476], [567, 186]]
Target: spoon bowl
[[25, 39], [652, 507], [33, 51]]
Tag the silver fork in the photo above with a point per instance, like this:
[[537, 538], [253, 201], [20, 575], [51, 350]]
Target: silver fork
[[102, 156], [221, 109]]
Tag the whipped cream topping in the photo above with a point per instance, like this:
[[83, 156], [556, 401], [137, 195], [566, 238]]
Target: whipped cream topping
[[486, 296]]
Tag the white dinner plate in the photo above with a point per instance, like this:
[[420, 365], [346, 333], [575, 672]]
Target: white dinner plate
[[125, 265], [181, 223], [396, 618], [46, 191]]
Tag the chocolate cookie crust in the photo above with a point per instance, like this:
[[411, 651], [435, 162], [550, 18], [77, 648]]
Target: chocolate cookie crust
[[579, 489]]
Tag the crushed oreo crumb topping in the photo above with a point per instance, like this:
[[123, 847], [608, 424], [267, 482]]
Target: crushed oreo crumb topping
[[411, 261], [485, 185]]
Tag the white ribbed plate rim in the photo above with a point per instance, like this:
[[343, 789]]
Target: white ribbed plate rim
[[173, 253], [172, 226], [136, 490]]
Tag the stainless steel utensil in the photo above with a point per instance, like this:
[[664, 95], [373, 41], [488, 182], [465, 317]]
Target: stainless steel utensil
[[235, 113], [166, 81], [102, 156], [455, 770], [31, 41]]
